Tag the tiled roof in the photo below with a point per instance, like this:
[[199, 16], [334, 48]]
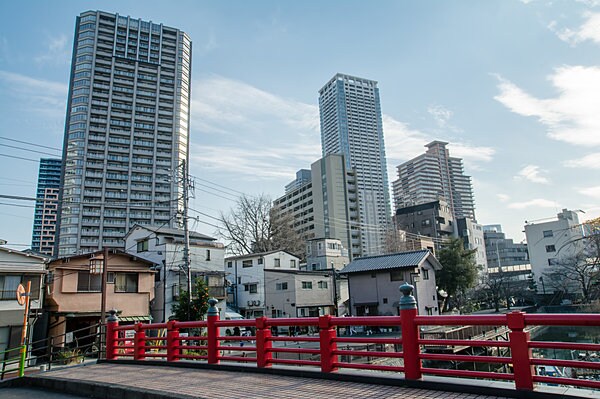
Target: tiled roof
[[391, 261]]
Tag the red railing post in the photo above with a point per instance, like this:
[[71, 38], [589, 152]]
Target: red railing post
[[410, 333], [213, 332], [327, 334], [111, 335], [139, 343], [263, 343], [172, 341], [520, 351]]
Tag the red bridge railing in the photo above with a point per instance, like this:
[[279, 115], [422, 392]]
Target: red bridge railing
[[404, 350]]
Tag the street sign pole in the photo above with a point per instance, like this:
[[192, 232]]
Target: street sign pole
[[24, 294]]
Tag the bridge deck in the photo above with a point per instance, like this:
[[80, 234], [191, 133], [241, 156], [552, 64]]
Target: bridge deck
[[152, 381]]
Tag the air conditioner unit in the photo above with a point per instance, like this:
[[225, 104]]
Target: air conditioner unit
[[256, 303], [249, 303]]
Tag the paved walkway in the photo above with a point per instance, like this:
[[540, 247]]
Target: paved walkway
[[217, 384]]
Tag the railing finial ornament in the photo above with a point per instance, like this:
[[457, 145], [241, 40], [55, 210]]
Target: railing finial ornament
[[407, 301], [112, 316], [213, 310]]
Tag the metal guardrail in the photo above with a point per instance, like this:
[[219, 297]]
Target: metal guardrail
[[87, 344]]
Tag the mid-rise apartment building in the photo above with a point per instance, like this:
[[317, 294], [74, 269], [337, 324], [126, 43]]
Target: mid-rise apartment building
[[326, 203], [126, 131], [551, 244]]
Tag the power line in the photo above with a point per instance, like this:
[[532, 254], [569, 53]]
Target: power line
[[27, 149], [21, 158], [29, 143], [17, 205]]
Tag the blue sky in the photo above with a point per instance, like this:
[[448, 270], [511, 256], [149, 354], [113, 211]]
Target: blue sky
[[514, 86]]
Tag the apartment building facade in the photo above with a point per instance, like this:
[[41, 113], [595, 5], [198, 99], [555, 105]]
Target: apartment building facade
[[126, 130]]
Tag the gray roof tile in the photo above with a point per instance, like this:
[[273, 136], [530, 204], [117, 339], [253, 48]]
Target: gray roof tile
[[390, 261]]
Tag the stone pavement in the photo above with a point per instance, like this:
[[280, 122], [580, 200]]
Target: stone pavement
[[150, 381]]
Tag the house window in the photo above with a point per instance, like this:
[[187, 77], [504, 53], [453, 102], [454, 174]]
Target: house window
[[142, 246], [314, 266], [208, 254], [548, 233], [425, 274], [307, 285], [322, 284], [251, 288], [385, 300], [260, 261], [126, 282], [247, 263], [87, 282], [110, 278], [230, 264], [396, 275], [293, 263], [8, 286], [276, 262], [281, 286], [552, 262], [550, 248]]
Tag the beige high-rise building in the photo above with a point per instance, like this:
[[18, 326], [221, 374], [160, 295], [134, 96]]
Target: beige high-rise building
[[126, 131]]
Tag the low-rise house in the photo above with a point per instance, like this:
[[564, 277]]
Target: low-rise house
[[373, 282], [294, 293], [164, 246], [75, 293], [246, 275], [16, 268]]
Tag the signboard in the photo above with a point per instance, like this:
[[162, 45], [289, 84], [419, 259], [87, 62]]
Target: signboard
[[68, 337]]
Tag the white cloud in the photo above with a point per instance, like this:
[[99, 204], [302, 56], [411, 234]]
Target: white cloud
[[591, 161], [36, 95], [277, 136], [591, 191], [57, 51], [272, 136], [471, 153], [403, 143], [572, 116], [537, 203], [440, 114], [503, 197], [532, 173], [589, 30]]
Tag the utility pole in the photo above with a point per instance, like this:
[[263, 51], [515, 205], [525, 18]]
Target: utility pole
[[186, 185]]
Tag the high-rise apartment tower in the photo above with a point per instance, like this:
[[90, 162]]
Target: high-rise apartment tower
[[46, 206], [127, 129], [432, 176], [351, 125]]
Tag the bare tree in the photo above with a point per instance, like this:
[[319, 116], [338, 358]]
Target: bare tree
[[253, 226], [283, 234]]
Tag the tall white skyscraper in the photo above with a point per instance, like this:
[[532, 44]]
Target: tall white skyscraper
[[351, 125], [126, 131], [432, 176]]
